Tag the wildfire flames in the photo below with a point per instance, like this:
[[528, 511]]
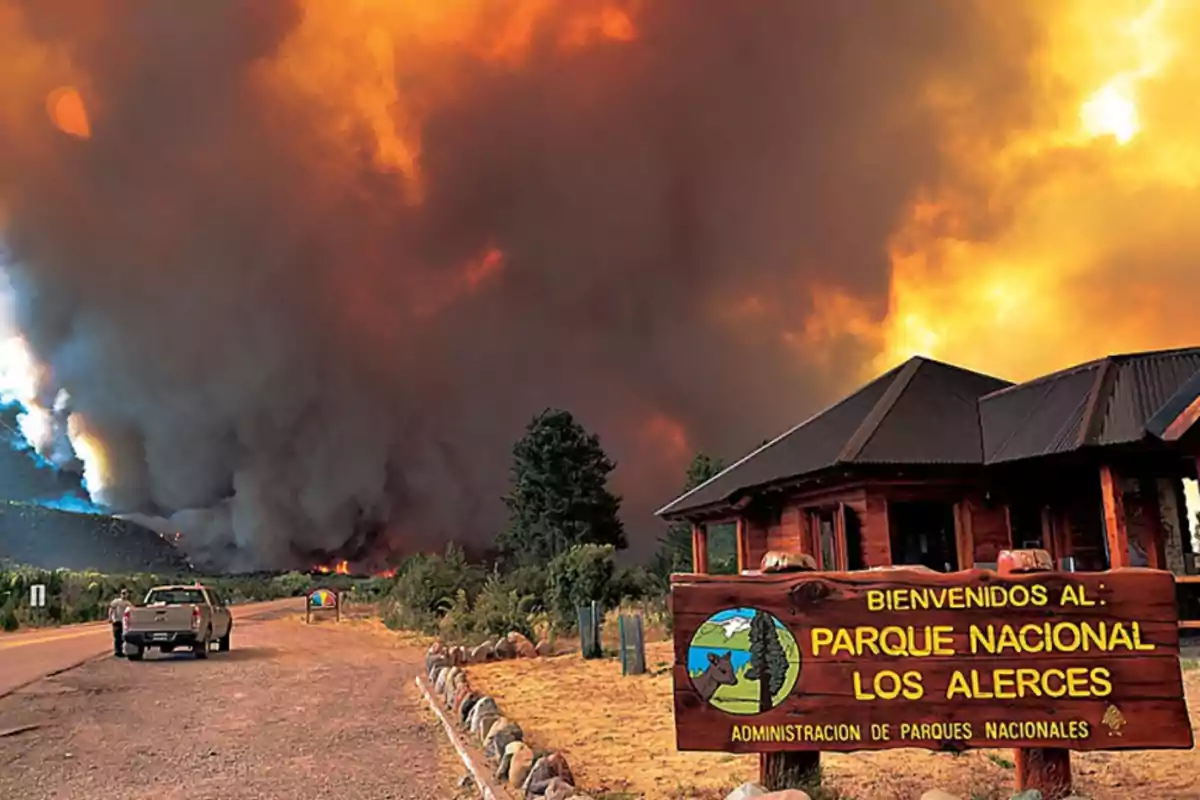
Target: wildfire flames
[[343, 568], [312, 265]]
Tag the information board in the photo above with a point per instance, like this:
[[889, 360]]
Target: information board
[[875, 660]]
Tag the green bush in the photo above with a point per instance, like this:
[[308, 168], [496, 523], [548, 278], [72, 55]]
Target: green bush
[[577, 577], [427, 587], [8, 620]]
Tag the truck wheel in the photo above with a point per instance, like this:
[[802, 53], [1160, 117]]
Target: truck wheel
[[200, 649], [136, 654], [223, 642]]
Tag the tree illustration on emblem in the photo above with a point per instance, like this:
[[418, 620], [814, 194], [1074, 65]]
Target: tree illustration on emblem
[[768, 663]]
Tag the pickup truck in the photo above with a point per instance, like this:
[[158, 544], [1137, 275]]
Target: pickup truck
[[173, 617]]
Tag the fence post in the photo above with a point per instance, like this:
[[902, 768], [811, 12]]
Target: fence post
[[623, 646], [1047, 769], [589, 631], [639, 646]]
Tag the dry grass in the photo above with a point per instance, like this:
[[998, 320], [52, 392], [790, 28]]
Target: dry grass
[[618, 735]]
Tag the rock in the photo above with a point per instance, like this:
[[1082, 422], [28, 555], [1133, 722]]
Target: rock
[[544, 648], [502, 768], [454, 686], [745, 791], [464, 691], [466, 781], [484, 723], [501, 739], [439, 685], [483, 706], [784, 561], [505, 649], [786, 794], [521, 645], [938, 794], [558, 789], [1031, 560], [482, 653], [543, 771], [495, 728], [1028, 794], [522, 761], [440, 663], [465, 708]]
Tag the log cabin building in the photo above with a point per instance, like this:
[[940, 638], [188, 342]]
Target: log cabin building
[[937, 465]]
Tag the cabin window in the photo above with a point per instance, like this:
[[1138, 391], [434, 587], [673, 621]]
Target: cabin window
[[922, 533], [835, 538], [1026, 522]]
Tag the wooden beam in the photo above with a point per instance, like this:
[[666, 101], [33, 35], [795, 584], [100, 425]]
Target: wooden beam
[[700, 549], [1183, 423], [839, 539], [1115, 529], [1048, 540], [743, 545], [1008, 525], [964, 535]]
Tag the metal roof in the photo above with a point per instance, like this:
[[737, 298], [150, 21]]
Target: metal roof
[[1101, 403], [927, 412], [922, 412]]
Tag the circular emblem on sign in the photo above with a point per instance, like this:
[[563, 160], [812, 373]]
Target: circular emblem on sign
[[743, 661], [323, 598]]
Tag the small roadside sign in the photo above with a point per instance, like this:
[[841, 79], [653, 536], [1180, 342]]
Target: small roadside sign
[[37, 595]]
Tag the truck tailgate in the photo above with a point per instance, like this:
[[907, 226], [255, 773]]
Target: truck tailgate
[[160, 618]]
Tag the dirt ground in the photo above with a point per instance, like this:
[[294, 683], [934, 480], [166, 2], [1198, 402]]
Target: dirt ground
[[618, 735], [293, 711]]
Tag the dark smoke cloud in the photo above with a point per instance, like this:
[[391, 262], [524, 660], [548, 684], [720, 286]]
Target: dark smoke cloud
[[240, 304]]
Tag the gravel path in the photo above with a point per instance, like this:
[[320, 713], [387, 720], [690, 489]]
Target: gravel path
[[292, 712]]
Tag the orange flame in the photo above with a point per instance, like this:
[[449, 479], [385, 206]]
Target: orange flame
[[65, 107], [387, 573], [342, 568]]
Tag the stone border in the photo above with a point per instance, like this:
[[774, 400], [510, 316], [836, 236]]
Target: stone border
[[483, 780], [546, 775]]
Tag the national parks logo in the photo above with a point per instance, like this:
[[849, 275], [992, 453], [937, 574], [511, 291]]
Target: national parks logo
[[743, 661], [323, 598]]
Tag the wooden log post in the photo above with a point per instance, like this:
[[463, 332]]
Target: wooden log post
[[1115, 529], [1047, 769], [700, 548], [796, 769]]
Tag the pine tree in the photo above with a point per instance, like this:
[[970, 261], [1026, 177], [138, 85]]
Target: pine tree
[[559, 496], [768, 662]]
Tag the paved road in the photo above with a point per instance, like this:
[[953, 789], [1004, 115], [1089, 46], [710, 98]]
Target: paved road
[[327, 711], [27, 656]]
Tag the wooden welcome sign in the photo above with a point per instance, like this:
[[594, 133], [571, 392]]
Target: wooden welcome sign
[[875, 660]]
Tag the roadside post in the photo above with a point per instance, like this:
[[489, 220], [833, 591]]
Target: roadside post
[[1047, 769], [792, 664], [37, 599], [633, 644]]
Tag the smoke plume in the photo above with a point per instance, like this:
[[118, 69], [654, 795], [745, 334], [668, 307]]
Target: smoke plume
[[293, 274]]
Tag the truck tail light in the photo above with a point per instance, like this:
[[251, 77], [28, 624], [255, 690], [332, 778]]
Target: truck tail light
[[195, 618], [125, 619]]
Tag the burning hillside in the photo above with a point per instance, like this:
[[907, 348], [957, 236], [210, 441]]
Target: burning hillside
[[290, 276]]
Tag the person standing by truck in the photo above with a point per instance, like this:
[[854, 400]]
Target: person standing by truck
[[116, 615]]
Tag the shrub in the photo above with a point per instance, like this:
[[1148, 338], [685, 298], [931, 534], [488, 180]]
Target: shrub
[[8, 620], [577, 577], [428, 586]]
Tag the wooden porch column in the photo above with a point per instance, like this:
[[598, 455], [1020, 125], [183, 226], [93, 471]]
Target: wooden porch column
[[699, 548], [1114, 519], [743, 545], [964, 535]]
